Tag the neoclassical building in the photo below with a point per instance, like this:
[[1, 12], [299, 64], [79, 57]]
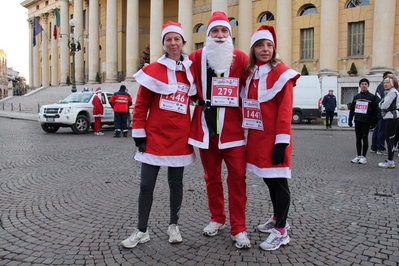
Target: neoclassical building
[[325, 35]]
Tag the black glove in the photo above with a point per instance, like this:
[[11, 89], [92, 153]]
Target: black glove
[[140, 143], [372, 126], [279, 153], [350, 124]]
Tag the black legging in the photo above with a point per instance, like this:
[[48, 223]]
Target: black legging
[[280, 196], [149, 175], [362, 134], [391, 126]]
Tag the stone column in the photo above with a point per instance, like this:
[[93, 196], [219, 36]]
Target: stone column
[[185, 18], [64, 50], [156, 22], [284, 30], [36, 66], [219, 5], [45, 34], [31, 66], [383, 36], [245, 25], [79, 55], [54, 54], [132, 39], [112, 42], [329, 38], [94, 50]]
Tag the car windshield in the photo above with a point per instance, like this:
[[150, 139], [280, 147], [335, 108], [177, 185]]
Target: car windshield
[[78, 98]]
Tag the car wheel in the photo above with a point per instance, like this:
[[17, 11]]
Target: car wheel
[[296, 117], [48, 128], [81, 125]]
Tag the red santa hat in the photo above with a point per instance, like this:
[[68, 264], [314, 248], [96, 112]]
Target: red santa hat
[[265, 32], [172, 27], [218, 18], [98, 90]]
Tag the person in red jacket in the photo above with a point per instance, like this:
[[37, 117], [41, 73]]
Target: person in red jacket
[[267, 108], [216, 127], [161, 127], [120, 102], [98, 112]]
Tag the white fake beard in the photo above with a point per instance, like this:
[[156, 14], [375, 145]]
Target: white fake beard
[[219, 55]]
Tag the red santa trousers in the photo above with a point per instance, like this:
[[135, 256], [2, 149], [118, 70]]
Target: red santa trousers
[[97, 124], [235, 160]]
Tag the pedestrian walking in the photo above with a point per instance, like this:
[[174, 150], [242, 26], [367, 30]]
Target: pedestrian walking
[[330, 103], [364, 112], [98, 111], [267, 111], [120, 102], [161, 127], [390, 113]]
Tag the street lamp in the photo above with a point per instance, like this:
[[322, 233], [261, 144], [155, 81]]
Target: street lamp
[[74, 45]]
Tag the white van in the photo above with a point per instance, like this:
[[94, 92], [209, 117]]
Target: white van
[[307, 99]]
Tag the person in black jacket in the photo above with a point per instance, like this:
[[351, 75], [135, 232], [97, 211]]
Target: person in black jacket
[[330, 103], [364, 112]]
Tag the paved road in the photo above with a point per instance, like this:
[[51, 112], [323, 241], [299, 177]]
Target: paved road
[[70, 199]]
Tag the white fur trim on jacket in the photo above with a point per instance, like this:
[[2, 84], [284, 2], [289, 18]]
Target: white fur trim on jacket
[[277, 172], [171, 161]]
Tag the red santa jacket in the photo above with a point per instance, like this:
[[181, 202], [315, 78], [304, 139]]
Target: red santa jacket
[[166, 131], [273, 88], [98, 109], [230, 118]]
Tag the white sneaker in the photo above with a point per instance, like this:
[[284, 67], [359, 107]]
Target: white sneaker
[[275, 240], [213, 228], [387, 164], [98, 133], [356, 159], [269, 225], [241, 240], [174, 234], [136, 238], [362, 160]]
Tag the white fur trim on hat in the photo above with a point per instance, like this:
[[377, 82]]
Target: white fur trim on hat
[[172, 28], [218, 23], [261, 35]]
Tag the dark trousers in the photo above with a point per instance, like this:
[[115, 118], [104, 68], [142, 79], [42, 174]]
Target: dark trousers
[[378, 137], [148, 179], [391, 126], [120, 121], [362, 135], [329, 118], [280, 197]]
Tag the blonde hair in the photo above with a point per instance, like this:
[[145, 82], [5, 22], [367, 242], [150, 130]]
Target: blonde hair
[[393, 81]]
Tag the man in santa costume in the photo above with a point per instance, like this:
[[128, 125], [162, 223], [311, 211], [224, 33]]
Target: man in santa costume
[[98, 112], [216, 127]]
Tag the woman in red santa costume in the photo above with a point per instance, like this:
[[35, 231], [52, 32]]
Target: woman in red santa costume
[[161, 127], [98, 112], [216, 127], [267, 110]]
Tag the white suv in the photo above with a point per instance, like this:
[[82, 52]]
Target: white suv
[[76, 111]]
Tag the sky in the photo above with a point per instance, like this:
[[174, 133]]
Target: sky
[[14, 35]]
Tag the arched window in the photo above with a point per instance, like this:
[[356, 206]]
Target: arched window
[[233, 22], [308, 9], [355, 3], [266, 16], [200, 28]]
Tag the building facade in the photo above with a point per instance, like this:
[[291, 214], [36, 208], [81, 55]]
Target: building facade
[[326, 36]]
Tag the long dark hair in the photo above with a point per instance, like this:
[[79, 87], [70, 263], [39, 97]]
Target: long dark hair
[[252, 59]]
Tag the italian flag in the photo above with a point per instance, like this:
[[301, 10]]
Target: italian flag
[[56, 23]]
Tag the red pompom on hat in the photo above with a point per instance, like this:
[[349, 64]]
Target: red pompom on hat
[[265, 32], [172, 27], [218, 18]]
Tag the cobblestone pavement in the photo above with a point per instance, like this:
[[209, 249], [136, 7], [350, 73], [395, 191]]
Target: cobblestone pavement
[[70, 199]]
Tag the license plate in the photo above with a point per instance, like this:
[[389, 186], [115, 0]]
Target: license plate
[[50, 119]]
